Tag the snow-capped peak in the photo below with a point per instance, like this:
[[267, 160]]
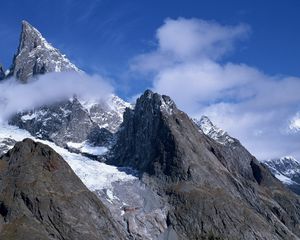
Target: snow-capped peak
[[286, 169], [214, 132]]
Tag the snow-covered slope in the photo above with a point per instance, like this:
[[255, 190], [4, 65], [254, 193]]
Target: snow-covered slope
[[36, 56], [95, 175], [287, 169]]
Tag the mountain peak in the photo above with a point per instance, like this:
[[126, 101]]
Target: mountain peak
[[30, 38], [36, 56], [156, 101], [214, 132]]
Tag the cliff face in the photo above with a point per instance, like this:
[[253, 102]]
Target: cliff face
[[2, 73], [212, 189], [42, 198]]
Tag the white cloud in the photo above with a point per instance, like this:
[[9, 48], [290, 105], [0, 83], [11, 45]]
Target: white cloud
[[295, 123], [254, 107], [50, 88]]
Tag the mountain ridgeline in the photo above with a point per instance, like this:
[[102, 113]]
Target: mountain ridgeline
[[189, 178], [210, 187]]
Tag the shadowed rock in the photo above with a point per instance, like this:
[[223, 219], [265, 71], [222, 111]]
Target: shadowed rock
[[2, 73], [42, 198]]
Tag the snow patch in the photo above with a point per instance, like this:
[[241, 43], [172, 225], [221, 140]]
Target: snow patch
[[85, 147], [29, 116]]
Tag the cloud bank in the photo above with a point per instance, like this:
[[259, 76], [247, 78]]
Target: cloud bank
[[257, 108], [50, 88]]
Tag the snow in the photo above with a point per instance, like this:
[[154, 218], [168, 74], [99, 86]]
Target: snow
[[87, 104], [166, 106], [118, 105], [85, 147], [95, 175], [28, 117], [209, 129], [284, 179]]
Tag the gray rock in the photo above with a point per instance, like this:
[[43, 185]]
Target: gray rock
[[6, 144], [36, 56], [2, 73], [71, 121], [214, 191], [42, 198]]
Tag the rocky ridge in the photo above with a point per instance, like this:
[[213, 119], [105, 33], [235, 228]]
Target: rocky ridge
[[286, 169], [74, 122]]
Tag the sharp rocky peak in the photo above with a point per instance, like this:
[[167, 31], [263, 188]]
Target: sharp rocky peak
[[36, 56]]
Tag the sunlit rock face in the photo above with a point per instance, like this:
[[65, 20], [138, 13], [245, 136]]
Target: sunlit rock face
[[36, 56]]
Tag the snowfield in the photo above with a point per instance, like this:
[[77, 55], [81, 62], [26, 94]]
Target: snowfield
[[95, 175]]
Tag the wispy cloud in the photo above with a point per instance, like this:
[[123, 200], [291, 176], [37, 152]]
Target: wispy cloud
[[50, 88], [188, 64]]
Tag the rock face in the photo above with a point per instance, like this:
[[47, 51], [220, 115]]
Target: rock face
[[74, 121], [2, 73], [36, 56], [213, 190], [42, 198]]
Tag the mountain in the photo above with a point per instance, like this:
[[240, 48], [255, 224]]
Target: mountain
[[212, 190], [2, 73], [214, 132], [136, 207], [36, 56], [42, 198], [74, 123], [169, 177], [82, 125], [286, 169]]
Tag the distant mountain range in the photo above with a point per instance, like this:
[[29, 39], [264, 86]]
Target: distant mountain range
[[85, 169]]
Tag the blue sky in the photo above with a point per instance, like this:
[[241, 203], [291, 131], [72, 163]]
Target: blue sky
[[103, 35], [236, 61]]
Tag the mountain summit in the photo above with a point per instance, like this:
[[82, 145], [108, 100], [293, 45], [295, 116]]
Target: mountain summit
[[36, 56]]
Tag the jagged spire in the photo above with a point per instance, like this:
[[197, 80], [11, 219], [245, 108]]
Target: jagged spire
[[36, 56], [30, 37]]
